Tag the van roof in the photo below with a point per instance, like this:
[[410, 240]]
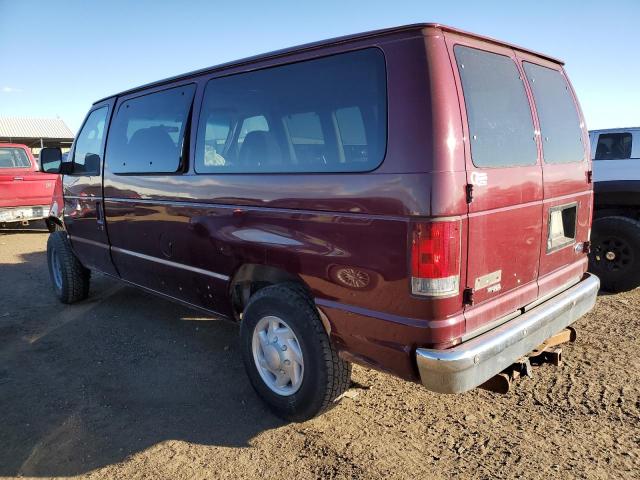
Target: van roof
[[324, 43]]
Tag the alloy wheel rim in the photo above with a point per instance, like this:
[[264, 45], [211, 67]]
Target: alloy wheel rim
[[277, 355]]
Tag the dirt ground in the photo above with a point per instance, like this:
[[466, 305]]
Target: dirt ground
[[126, 385]]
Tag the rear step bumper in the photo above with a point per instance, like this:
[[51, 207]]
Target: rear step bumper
[[470, 364]]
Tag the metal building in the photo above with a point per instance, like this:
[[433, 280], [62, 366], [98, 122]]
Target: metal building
[[36, 132]]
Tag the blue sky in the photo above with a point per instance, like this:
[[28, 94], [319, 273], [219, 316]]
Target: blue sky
[[57, 57]]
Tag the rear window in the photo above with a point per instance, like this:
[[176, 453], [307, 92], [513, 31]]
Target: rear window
[[322, 115], [613, 146], [147, 133], [14, 158], [559, 121], [498, 112]]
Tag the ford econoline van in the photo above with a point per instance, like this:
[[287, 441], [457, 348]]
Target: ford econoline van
[[417, 200]]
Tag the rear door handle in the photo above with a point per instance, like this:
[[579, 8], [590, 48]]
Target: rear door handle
[[18, 178]]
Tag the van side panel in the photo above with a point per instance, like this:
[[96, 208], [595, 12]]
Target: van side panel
[[345, 235], [443, 126]]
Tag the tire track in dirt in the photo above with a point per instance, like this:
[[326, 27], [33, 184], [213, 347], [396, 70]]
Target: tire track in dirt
[[154, 393]]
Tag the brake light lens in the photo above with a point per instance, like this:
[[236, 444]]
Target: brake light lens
[[435, 258]]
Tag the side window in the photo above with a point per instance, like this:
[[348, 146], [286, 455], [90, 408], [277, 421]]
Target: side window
[[613, 146], [252, 124], [217, 137], [352, 134], [88, 149], [498, 112], [559, 121], [323, 115], [307, 139], [147, 133]]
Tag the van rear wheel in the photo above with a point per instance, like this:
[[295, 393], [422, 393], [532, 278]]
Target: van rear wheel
[[70, 279], [615, 253], [288, 356]]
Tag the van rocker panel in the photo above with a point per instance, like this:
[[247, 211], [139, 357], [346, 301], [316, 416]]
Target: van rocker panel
[[472, 363]]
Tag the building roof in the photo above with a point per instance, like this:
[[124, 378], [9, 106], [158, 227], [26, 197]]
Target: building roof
[[27, 127]]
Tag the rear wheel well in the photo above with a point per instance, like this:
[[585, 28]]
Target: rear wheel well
[[250, 278]]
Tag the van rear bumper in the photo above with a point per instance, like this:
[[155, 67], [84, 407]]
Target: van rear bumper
[[465, 366]]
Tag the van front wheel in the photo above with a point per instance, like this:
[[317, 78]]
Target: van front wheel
[[287, 354], [70, 279]]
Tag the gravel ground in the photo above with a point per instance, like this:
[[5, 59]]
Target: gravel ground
[[129, 385]]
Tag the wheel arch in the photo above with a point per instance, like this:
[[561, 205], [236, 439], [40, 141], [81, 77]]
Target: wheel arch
[[250, 278], [54, 223]]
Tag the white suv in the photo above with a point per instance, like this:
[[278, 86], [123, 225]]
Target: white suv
[[615, 252]]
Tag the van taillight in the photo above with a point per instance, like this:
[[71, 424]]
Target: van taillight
[[435, 258]]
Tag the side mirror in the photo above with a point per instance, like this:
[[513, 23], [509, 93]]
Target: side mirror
[[66, 168], [50, 160], [92, 164]]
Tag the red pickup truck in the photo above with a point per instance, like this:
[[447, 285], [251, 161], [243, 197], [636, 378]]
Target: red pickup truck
[[25, 193]]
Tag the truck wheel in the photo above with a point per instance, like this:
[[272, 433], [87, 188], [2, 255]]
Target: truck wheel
[[615, 253], [70, 279], [288, 356]]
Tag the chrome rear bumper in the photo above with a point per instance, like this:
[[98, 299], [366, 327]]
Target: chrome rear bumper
[[465, 366]]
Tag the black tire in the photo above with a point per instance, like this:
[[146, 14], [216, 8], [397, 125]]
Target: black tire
[[615, 253], [52, 226], [326, 376], [70, 279]]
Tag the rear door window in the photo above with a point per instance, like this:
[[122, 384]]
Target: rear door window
[[323, 115], [498, 112], [147, 133], [13, 158], [559, 121], [614, 146]]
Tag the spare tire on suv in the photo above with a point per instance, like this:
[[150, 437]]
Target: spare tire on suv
[[615, 253]]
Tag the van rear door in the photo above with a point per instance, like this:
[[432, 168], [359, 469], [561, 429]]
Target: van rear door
[[504, 180], [567, 188]]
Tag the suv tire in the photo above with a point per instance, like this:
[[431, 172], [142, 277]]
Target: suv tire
[[297, 349], [615, 253], [70, 279]]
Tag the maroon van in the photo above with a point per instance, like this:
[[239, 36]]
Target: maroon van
[[417, 200]]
